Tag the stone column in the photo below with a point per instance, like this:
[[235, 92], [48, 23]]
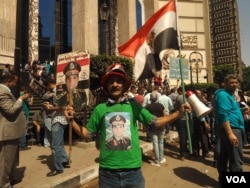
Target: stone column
[[126, 13], [85, 26], [7, 31], [33, 29]]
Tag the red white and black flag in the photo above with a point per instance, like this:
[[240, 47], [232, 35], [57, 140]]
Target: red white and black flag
[[161, 27]]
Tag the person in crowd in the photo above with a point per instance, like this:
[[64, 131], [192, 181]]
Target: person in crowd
[[6, 69], [166, 101], [28, 67], [166, 81], [157, 134], [132, 92], [208, 125], [147, 101], [139, 97], [200, 132], [173, 95], [38, 122], [23, 145], [230, 122], [113, 172], [49, 97], [58, 125], [181, 126], [47, 66], [158, 79], [210, 98], [13, 125], [245, 112]]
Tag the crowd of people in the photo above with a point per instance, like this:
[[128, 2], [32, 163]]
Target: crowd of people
[[152, 107]]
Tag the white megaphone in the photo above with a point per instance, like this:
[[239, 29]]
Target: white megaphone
[[201, 110]]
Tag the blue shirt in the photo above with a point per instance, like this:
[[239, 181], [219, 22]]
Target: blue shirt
[[227, 109]]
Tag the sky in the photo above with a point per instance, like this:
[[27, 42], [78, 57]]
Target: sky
[[244, 16]]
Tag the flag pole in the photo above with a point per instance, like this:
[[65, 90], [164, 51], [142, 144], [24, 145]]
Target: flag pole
[[182, 82]]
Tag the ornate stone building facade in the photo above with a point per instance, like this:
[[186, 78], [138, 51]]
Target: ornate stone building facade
[[192, 18], [7, 31], [33, 30], [202, 43]]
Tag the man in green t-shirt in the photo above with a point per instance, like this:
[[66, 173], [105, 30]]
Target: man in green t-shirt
[[120, 167]]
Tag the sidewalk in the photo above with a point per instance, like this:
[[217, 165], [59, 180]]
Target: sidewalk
[[37, 162], [191, 173]]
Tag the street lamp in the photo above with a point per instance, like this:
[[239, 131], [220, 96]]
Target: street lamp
[[104, 16], [191, 75]]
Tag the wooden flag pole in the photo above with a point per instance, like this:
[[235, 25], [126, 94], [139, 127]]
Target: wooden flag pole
[[70, 125]]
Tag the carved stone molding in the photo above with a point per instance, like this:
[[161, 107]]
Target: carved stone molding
[[189, 41], [33, 29], [113, 27]]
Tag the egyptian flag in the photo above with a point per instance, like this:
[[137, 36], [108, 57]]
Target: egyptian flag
[[147, 59]]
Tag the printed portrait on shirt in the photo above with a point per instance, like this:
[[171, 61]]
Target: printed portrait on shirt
[[118, 134]]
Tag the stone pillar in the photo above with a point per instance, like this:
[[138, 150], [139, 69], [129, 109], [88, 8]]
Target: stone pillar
[[126, 13], [209, 65], [33, 29], [7, 31], [85, 26]]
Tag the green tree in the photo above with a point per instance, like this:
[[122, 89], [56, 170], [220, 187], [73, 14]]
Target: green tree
[[245, 85], [220, 71], [99, 63]]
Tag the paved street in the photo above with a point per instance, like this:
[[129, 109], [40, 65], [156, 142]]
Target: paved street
[[194, 172], [191, 173]]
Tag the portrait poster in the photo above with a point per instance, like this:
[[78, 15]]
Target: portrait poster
[[118, 133], [72, 79]]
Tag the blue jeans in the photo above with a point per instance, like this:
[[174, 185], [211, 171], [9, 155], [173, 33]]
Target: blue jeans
[[47, 131], [181, 126], [57, 145], [158, 139], [23, 140], [125, 179]]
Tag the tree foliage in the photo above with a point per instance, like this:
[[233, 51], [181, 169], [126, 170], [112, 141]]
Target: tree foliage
[[245, 85], [99, 63], [206, 87], [220, 71]]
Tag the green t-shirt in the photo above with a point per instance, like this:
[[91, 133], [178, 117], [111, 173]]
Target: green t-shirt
[[117, 153], [25, 106]]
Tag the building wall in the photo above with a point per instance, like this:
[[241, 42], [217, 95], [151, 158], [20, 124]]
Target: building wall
[[126, 20], [33, 29], [85, 26], [225, 34], [7, 31], [192, 20], [193, 28]]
